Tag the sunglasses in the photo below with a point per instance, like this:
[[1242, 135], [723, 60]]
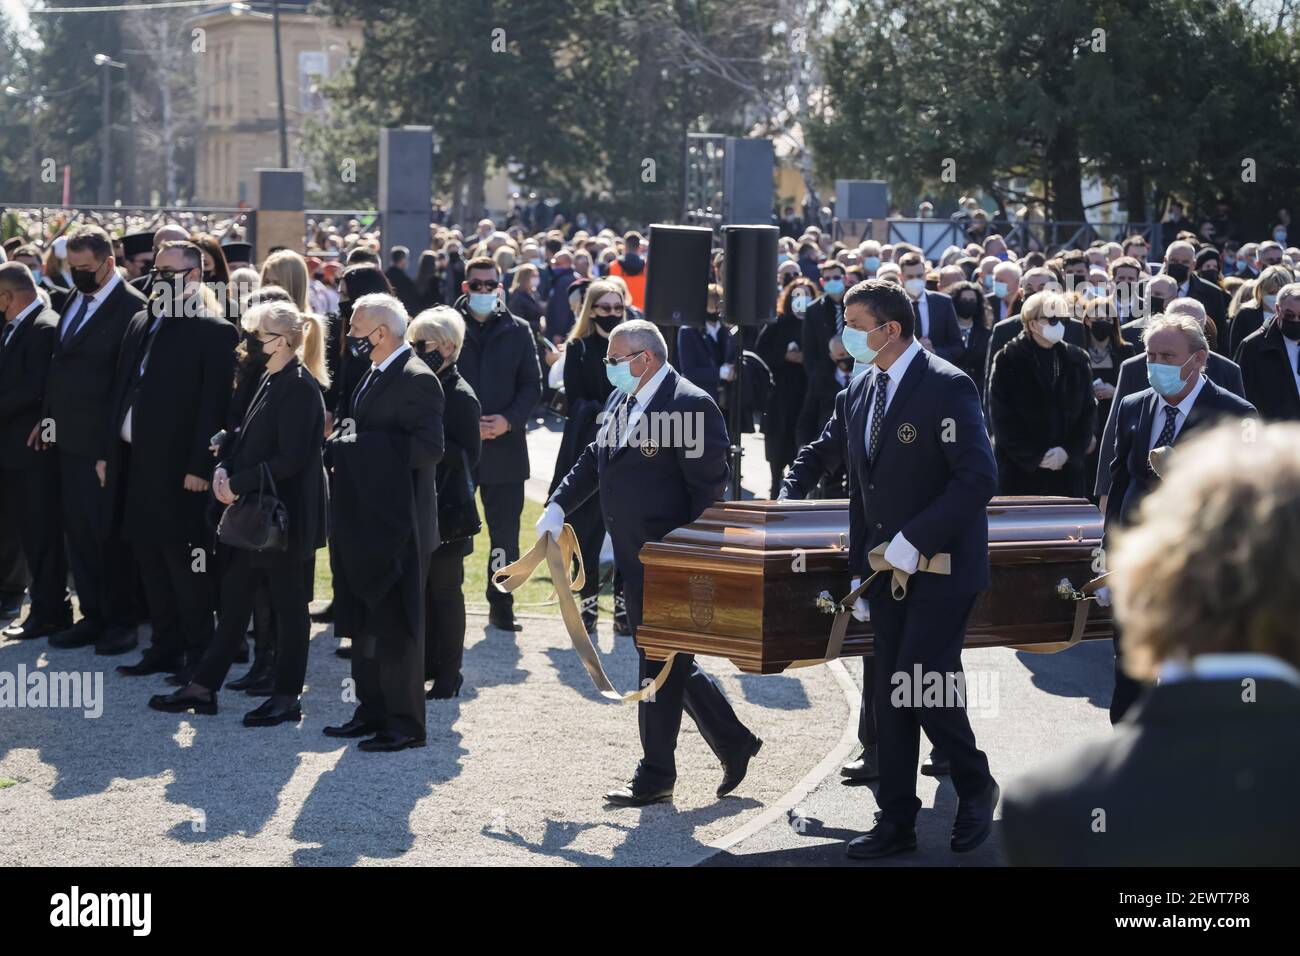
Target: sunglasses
[[617, 361], [167, 275], [483, 285], [607, 309], [424, 347]]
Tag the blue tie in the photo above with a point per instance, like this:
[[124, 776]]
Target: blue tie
[[71, 328]]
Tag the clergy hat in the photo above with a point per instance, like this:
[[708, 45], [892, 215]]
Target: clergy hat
[[238, 251], [136, 243]]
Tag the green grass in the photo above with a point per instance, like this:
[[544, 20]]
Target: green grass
[[535, 597], [7, 782]]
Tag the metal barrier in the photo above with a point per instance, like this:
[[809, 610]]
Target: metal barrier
[[1046, 236], [53, 221]]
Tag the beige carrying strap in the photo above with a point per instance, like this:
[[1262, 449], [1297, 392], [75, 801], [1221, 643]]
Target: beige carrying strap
[[939, 564], [1083, 599], [559, 557]]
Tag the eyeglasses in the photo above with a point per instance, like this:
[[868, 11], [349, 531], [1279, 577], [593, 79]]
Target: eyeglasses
[[602, 309], [167, 275], [483, 285], [610, 360], [424, 347], [1288, 316]]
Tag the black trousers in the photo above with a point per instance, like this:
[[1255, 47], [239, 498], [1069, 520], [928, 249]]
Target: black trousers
[[180, 592], [868, 733], [1127, 690], [924, 633], [83, 502], [688, 689], [389, 674], [502, 506], [444, 615], [282, 581], [29, 504]]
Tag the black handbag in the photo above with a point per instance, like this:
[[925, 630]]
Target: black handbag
[[256, 522], [458, 515]]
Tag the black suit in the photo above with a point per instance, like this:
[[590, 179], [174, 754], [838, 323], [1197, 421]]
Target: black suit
[[279, 440], [941, 328], [1187, 736], [29, 480], [1131, 478], [385, 528], [824, 319], [931, 480], [974, 354], [1215, 301], [643, 497], [404, 288], [174, 377], [1268, 374], [1133, 378], [77, 392], [1248, 319]]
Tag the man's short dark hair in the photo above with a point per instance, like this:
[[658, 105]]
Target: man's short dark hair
[[830, 264], [481, 262], [910, 259], [91, 239], [1074, 257], [16, 277], [398, 253], [362, 254], [885, 300], [553, 246], [193, 254]]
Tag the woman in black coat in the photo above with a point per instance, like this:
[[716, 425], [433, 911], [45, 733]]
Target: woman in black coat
[[1041, 405], [586, 390], [1107, 351], [275, 450], [437, 336], [974, 322], [779, 346]]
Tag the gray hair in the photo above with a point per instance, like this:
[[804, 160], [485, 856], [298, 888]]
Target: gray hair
[[1289, 291], [1190, 328], [1187, 306], [641, 334], [441, 325], [388, 311]]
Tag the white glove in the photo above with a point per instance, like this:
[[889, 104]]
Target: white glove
[[859, 611], [1055, 459], [551, 522], [726, 371], [1103, 596], [902, 555]]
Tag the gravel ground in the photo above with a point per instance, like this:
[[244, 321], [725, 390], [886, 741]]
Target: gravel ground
[[513, 773]]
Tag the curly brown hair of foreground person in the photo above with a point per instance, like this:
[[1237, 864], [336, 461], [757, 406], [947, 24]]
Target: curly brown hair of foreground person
[[1212, 565]]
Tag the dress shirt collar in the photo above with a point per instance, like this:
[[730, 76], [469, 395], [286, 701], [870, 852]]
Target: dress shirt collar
[[647, 391], [382, 367], [98, 298], [35, 307], [1229, 667], [1186, 404], [899, 368]]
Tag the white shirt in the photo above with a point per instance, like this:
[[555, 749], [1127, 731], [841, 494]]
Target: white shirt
[[34, 307], [895, 373], [96, 300], [375, 371], [923, 306], [1184, 407], [1292, 351], [643, 397], [1228, 667]]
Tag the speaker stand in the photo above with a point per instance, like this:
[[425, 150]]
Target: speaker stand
[[735, 419]]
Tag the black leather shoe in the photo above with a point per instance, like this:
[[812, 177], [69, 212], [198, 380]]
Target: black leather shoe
[[734, 770], [504, 620], [974, 820], [183, 702], [241, 653], [183, 676], [634, 796], [353, 728], [936, 765], [263, 686], [866, 767], [440, 692], [82, 634], [255, 675], [322, 612], [884, 839], [11, 607], [28, 629], [269, 713], [387, 743], [152, 664], [115, 640]]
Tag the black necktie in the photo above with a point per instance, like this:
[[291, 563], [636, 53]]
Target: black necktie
[[361, 389], [8, 334], [71, 329], [1166, 436], [878, 414]]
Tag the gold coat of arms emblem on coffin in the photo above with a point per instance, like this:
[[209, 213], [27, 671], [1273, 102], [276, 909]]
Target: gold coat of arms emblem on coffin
[[701, 588]]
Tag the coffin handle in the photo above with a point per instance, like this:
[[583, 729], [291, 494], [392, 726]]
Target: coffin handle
[[1083, 598]]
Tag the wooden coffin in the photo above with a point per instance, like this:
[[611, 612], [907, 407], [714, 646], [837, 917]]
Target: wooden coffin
[[744, 581]]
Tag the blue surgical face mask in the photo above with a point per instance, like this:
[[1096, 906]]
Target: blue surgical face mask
[[833, 287], [1167, 380], [872, 263], [858, 344], [1279, 235], [621, 377], [1000, 289], [481, 303]]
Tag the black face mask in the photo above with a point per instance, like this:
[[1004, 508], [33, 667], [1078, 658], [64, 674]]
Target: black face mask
[[432, 359], [1211, 276], [209, 276], [85, 281], [1101, 330], [967, 308], [1291, 329], [608, 323], [360, 347], [256, 354], [787, 278], [845, 365], [1177, 271]]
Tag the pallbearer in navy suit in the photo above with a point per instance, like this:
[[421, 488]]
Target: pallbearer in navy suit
[[921, 474], [645, 492]]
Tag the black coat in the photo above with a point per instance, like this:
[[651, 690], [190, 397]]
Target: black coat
[[283, 428], [462, 447], [499, 361], [974, 354], [59, 296], [790, 385], [181, 401], [1003, 332], [404, 288], [1268, 374], [24, 367], [586, 390], [82, 370], [1185, 736], [1249, 319], [942, 331], [824, 319], [1213, 298], [1029, 416]]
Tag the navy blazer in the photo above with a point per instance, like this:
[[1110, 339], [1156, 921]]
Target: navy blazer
[[944, 335], [932, 478], [1132, 379], [645, 494], [1130, 479]]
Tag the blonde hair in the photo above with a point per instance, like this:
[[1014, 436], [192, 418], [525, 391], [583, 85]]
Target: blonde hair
[[595, 292], [1043, 305], [1206, 567], [1181, 321], [441, 325], [288, 270], [1270, 281], [524, 272], [304, 332]]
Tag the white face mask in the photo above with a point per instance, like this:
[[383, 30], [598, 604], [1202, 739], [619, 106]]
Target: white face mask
[[914, 287], [1270, 301], [1052, 333]]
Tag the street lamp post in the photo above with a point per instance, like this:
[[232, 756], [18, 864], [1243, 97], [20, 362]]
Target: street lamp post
[[244, 10], [104, 62]]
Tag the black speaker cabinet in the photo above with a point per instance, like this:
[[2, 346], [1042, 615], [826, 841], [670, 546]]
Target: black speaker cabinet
[[749, 274], [677, 275]]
